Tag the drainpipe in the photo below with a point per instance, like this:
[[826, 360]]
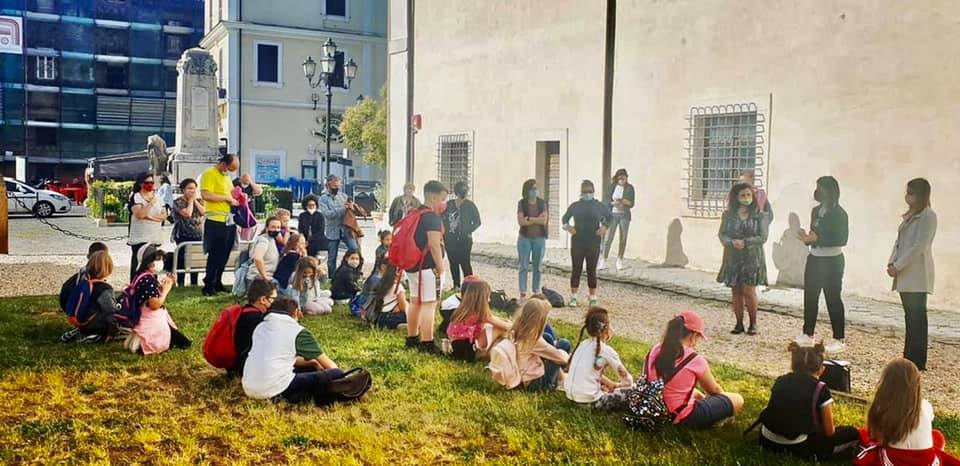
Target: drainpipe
[[609, 56]]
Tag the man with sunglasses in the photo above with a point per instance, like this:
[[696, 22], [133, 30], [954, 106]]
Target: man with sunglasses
[[260, 295]]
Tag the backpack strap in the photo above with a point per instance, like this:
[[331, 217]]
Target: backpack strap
[[693, 387], [816, 415]]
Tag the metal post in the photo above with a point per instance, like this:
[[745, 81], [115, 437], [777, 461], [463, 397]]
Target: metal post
[[329, 99], [4, 218]]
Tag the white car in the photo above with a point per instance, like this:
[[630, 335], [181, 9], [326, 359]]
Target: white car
[[24, 199]]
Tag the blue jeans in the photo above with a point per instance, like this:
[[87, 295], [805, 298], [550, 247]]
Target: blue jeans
[[551, 370], [333, 249], [525, 248]]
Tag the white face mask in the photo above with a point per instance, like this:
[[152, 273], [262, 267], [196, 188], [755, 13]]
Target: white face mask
[[311, 209], [158, 267], [353, 263]]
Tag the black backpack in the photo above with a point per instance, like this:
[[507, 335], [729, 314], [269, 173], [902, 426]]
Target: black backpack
[[555, 298], [351, 387], [646, 408], [498, 300]]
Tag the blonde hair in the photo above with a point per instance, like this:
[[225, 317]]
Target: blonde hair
[[99, 265], [475, 301], [281, 212], [304, 264], [895, 410], [528, 328]]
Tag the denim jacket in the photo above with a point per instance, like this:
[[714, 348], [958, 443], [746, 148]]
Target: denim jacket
[[333, 207]]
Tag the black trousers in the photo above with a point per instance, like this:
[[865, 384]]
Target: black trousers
[[823, 274], [458, 252], [581, 253], [311, 385], [915, 317], [218, 241], [134, 263], [818, 447]]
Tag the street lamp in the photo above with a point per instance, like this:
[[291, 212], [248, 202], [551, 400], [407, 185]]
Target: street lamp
[[328, 64]]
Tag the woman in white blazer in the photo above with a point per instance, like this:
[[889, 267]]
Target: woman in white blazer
[[911, 266]]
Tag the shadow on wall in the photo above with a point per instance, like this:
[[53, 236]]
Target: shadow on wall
[[790, 255], [675, 256]]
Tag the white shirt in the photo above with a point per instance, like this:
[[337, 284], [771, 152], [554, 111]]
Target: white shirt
[[583, 379], [922, 437], [271, 257], [143, 230], [617, 196], [268, 370]]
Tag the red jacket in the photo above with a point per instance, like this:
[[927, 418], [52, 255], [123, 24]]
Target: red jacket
[[872, 454]]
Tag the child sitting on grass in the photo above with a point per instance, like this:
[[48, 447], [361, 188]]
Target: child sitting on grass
[[93, 318], [286, 360], [473, 327], [585, 383], [675, 360], [900, 423], [390, 298], [154, 330], [529, 356], [798, 418], [285, 228], [386, 238], [295, 248], [305, 288], [346, 280], [68, 286]]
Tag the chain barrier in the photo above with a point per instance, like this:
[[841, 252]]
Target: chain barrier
[[59, 229]]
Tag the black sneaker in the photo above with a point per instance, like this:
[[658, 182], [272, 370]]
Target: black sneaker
[[70, 335], [208, 292], [93, 338], [737, 330], [411, 342], [428, 347], [220, 288]]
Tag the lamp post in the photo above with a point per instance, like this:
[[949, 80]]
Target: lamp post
[[328, 64]]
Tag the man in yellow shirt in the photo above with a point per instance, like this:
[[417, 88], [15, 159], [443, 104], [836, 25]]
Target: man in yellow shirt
[[219, 231]]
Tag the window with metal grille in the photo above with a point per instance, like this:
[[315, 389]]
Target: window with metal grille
[[46, 68], [723, 142], [455, 160]]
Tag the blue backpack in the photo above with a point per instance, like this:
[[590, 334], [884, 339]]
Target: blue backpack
[[78, 303], [359, 303]]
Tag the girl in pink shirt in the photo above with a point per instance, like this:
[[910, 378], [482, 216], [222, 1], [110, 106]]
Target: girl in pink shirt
[[473, 328], [675, 357]]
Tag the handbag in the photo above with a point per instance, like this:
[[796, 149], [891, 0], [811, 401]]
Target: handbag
[[836, 375]]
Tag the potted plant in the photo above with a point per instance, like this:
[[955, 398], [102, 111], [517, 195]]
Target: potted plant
[[111, 206]]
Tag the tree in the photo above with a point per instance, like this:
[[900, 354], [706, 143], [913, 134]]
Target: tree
[[364, 129]]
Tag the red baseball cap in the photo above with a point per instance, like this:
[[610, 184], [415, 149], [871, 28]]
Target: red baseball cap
[[471, 278], [693, 322]]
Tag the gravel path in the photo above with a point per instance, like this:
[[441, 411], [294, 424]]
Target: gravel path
[[642, 313]]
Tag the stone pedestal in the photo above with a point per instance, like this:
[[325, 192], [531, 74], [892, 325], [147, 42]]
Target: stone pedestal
[[197, 144]]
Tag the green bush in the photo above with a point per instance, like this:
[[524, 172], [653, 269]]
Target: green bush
[[109, 197]]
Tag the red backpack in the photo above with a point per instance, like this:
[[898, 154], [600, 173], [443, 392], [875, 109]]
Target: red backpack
[[404, 252], [219, 349]]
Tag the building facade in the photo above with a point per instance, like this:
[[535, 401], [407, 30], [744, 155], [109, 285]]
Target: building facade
[[92, 78], [268, 113], [700, 91]]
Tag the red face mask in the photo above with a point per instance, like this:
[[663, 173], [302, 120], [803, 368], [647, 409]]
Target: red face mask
[[147, 186]]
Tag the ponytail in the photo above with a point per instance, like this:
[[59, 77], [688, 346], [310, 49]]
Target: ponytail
[[596, 322], [671, 347]]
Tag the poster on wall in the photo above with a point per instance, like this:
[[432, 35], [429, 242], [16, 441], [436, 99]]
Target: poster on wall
[[11, 35], [269, 168]]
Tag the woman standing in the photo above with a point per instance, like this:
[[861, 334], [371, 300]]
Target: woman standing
[[911, 266], [532, 216], [743, 230], [825, 264], [188, 223], [147, 213], [310, 225], [460, 220], [621, 200], [590, 219]]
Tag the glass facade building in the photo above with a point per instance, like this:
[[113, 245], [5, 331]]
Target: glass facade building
[[96, 77]]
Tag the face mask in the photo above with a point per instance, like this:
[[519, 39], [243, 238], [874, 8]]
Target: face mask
[[746, 202], [311, 209], [533, 194], [334, 191], [273, 234], [158, 266], [586, 196], [353, 263], [147, 186]]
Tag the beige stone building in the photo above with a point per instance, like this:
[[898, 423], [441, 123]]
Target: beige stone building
[[696, 91], [268, 113]]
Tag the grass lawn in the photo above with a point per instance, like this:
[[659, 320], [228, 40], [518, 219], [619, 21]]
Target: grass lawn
[[82, 404]]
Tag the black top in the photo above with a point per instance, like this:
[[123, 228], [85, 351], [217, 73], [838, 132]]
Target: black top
[[530, 210], [429, 221], [832, 227], [346, 282], [311, 227], [148, 287], [790, 411], [588, 216], [243, 334], [285, 268], [461, 223]]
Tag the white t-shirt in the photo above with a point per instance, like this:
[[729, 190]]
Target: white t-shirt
[[390, 300], [617, 196], [143, 230], [271, 257], [268, 370], [922, 437], [583, 379]]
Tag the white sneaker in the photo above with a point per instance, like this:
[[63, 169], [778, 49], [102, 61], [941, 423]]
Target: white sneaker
[[619, 264], [601, 264], [804, 340], [835, 346], [594, 301], [573, 302]]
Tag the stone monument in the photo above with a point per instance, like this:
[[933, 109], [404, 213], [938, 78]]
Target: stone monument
[[197, 144]]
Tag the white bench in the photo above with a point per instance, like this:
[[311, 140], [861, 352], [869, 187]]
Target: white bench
[[195, 260]]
